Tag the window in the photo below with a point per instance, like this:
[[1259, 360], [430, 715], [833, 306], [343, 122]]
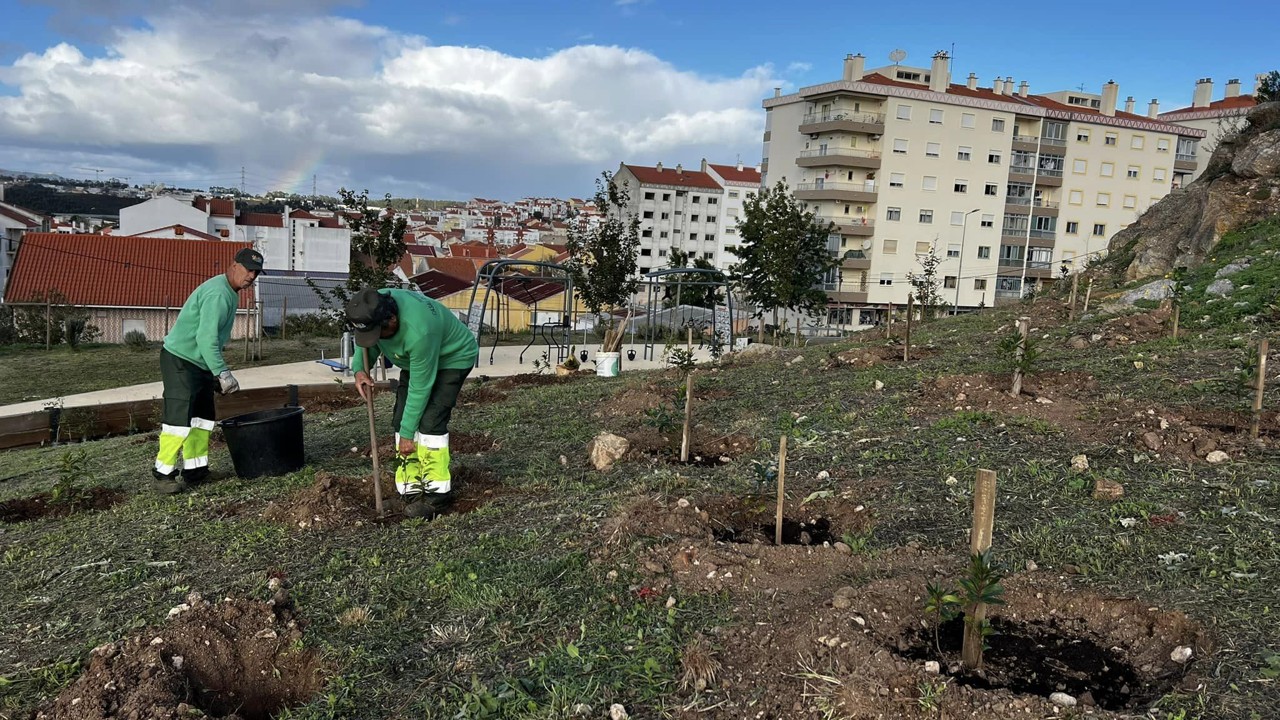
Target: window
[[646, 233], [923, 247], [1158, 174], [997, 124], [953, 251], [991, 189], [662, 253], [1082, 135], [932, 149], [666, 197], [1162, 145], [694, 218], [662, 234], [961, 186], [984, 252], [1133, 172], [900, 146], [697, 199], [890, 247], [980, 284], [1108, 169], [645, 252], [1080, 167], [708, 255], [712, 201], [964, 153], [957, 218], [648, 196], [1073, 227], [904, 112], [1104, 199], [693, 236], [935, 117], [1130, 201], [666, 216], [926, 216], [710, 237], [733, 193], [1076, 197], [1099, 229], [1110, 138], [647, 215], [896, 180], [711, 218], [893, 213], [1137, 142], [949, 281], [988, 220], [886, 278], [967, 120], [929, 182], [993, 157]]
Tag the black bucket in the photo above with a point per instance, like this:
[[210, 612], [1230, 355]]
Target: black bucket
[[267, 442]]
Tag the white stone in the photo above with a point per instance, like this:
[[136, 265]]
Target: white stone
[[1062, 699], [1080, 463], [824, 475], [1216, 457], [618, 712], [682, 502], [1180, 654], [932, 666], [879, 385], [177, 661], [606, 449]]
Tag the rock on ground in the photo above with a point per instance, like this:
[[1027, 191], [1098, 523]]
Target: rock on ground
[[606, 449]]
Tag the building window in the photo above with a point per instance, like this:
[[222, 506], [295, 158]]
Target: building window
[[693, 236], [1080, 167], [932, 149], [711, 218], [1133, 172], [961, 186], [1104, 199], [984, 252], [953, 251], [900, 146], [1110, 138], [904, 112], [991, 189], [890, 247], [896, 180], [997, 124], [935, 117], [666, 216], [886, 278], [980, 284], [1162, 145], [646, 233], [993, 157], [1108, 169], [647, 215], [1158, 174], [957, 218], [645, 252], [712, 201], [1099, 229], [929, 182], [1073, 227], [1137, 142], [662, 234], [964, 153], [648, 196], [1082, 135], [708, 255], [697, 199], [694, 218], [893, 213], [967, 120], [926, 216], [923, 247], [1130, 201], [1076, 197], [662, 253], [988, 220], [666, 197], [949, 281], [709, 237]]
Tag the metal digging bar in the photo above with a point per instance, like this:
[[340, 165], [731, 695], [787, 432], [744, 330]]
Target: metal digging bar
[[493, 275], [703, 277]]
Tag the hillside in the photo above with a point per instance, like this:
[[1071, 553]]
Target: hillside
[[1135, 523]]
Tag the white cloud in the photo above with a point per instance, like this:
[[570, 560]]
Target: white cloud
[[217, 91]]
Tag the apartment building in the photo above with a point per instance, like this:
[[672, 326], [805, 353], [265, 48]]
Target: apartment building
[[1007, 186], [1218, 118], [739, 183]]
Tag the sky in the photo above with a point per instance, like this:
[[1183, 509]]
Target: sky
[[514, 98]]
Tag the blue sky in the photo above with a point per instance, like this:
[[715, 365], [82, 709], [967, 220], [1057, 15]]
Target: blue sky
[[522, 98]]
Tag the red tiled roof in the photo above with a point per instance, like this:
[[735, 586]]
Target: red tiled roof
[[461, 268], [528, 290], [668, 176], [95, 271], [436, 284], [177, 230], [258, 219], [18, 216], [731, 173], [422, 250], [215, 206], [1239, 102], [302, 215], [330, 222], [473, 250]]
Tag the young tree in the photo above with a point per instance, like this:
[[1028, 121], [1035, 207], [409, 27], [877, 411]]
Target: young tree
[[703, 296], [1269, 87], [784, 253], [926, 283], [377, 244], [602, 256]]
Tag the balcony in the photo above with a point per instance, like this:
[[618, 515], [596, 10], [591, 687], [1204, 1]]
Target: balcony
[[848, 292], [843, 192], [1031, 143], [870, 123], [1024, 205], [856, 260], [1034, 268], [1183, 162], [856, 226], [839, 157]]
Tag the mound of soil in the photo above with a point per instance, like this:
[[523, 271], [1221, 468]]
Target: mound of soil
[[705, 448], [637, 401], [1052, 397], [866, 357], [334, 403], [1190, 434], [236, 659], [475, 394], [534, 379], [43, 505]]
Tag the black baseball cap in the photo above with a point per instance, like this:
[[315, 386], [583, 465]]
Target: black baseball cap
[[366, 312], [251, 259]]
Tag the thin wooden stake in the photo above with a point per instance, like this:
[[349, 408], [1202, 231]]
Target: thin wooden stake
[[688, 343], [782, 482], [1177, 312], [906, 347], [1075, 284], [1023, 326], [1262, 386], [284, 317], [888, 325], [1088, 291], [373, 443], [688, 415], [48, 321], [984, 514]]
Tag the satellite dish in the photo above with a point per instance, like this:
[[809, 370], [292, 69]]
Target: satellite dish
[[898, 56], [866, 244]]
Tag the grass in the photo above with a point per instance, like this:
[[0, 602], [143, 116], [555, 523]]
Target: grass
[[515, 611]]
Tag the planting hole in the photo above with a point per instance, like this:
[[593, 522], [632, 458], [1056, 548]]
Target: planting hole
[[794, 532]]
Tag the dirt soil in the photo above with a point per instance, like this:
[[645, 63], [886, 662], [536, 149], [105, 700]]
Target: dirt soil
[[821, 630], [705, 447], [636, 401], [237, 659], [866, 357], [35, 507]]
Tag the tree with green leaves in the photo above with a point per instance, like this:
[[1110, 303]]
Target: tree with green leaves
[[926, 283], [603, 254], [784, 255], [703, 296], [377, 244], [1269, 87]]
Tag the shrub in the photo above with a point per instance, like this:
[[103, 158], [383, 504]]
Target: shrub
[[136, 340]]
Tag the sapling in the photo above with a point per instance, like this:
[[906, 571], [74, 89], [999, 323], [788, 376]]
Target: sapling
[[981, 587], [944, 604], [71, 467]]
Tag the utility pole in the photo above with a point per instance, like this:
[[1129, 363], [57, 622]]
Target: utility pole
[[313, 186], [242, 192]]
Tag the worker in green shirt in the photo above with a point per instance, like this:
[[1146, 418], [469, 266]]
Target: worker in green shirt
[[192, 367], [435, 352]]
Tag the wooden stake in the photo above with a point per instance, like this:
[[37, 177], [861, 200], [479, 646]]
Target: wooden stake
[[888, 323], [1262, 386], [688, 415], [1177, 311], [1023, 326], [284, 317], [688, 343], [48, 321], [984, 514], [373, 443], [1088, 291], [782, 482], [1075, 284], [906, 348]]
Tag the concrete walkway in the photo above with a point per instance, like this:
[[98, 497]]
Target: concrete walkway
[[505, 362]]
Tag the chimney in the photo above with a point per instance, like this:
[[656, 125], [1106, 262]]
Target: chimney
[[854, 67], [1008, 85], [1023, 89], [679, 168], [997, 86], [739, 165], [1204, 93], [973, 81], [940, 73], [658, 167], [1110, 93], [1128, 105], [1233, 88], [704, 164], [1153, 110], [777, 92]]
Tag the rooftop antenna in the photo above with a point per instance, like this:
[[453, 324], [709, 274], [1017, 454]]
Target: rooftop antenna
[[898, 56], [1080, 87]]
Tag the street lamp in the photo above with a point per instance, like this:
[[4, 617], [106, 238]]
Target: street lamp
[[964, 227]]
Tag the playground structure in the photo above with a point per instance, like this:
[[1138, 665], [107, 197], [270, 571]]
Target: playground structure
[[669, 284], [531, 284]]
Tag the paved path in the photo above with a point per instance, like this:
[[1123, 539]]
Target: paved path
[[505, 362]]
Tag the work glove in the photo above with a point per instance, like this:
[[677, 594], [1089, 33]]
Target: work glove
[[228, 382]]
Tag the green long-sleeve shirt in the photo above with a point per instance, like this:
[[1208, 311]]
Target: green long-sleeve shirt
[[430, 337], [204, 325]]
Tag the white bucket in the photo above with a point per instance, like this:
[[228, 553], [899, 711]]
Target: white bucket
[[608, 364]]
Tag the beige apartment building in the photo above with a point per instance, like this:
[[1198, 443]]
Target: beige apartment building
[[1006, 186], [1218, 118]]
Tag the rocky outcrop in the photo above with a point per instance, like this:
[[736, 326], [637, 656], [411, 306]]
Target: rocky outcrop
[[1240, 186]]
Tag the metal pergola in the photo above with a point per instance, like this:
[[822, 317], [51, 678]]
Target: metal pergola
[[659, 282], [505, 280]]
